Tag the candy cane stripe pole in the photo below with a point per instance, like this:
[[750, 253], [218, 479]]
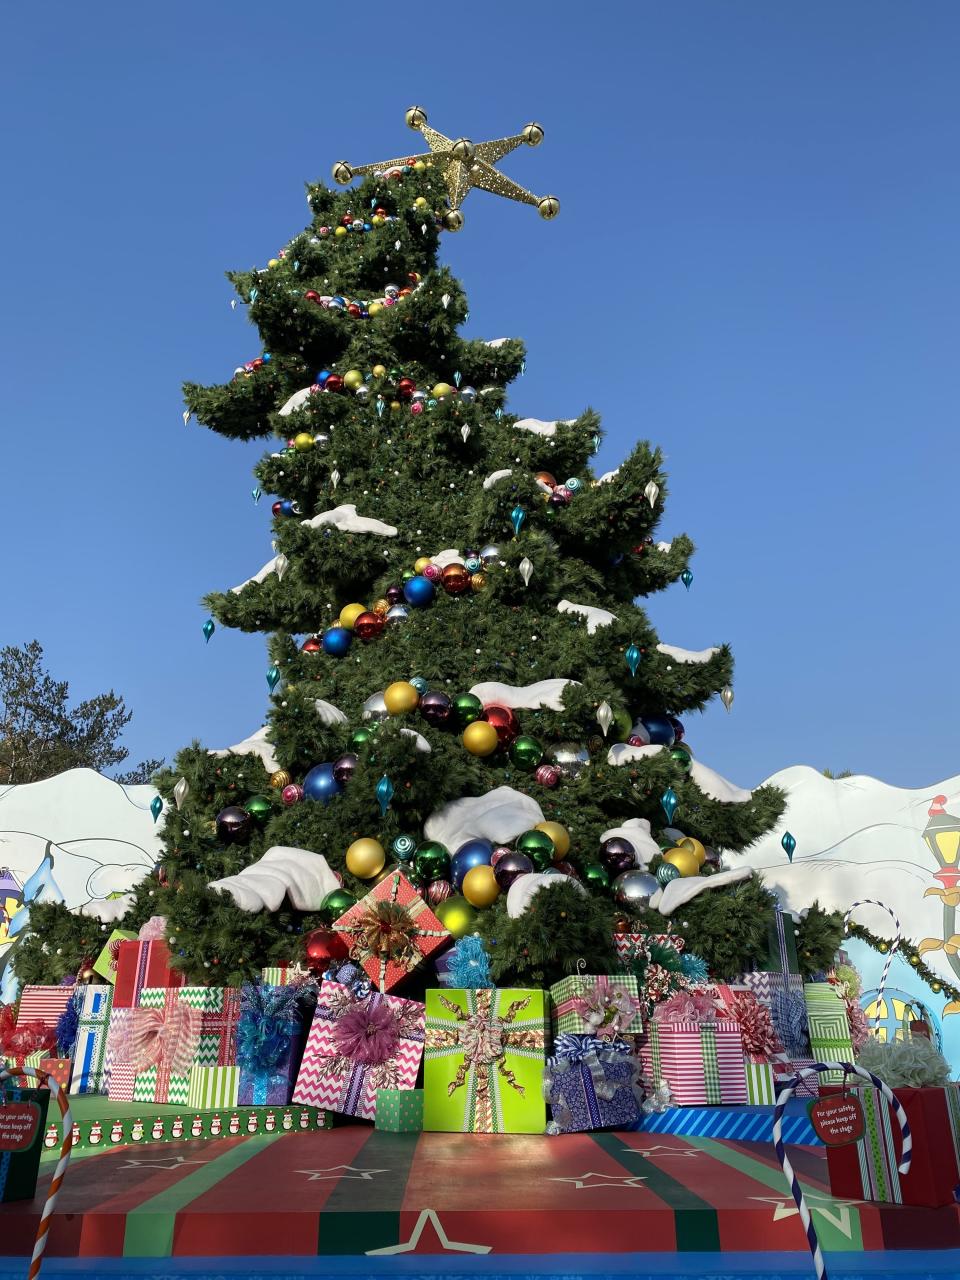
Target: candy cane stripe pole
[[783, 1097], [872, 902], [58, 1174]]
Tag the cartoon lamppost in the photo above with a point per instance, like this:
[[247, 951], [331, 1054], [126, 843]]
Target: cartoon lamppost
[[11, 900], [942, 837]]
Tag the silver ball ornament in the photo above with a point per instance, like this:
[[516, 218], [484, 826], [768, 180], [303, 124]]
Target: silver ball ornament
[[634, 889], [375, 707], [571, 758], [489, 553], [362, 392], [398, 613], [468, 395]]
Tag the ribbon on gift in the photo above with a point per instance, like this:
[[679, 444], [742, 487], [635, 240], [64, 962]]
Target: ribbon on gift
[[789, 1012], [268, 1019], [605, 1008], [165, 1038], [589, 1054], [153, 930], [387, 931], [687, 1006]]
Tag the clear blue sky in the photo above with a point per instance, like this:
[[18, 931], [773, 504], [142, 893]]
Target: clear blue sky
[[756, 265]]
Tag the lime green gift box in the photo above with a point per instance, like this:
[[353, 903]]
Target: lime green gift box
[[483, 1061]]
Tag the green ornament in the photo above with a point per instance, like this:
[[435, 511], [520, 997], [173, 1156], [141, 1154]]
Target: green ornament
[[457, 915], [413, 875], [596, 876], [538, 847], [403, 848], [667, 872], [622, 725], [395, 375], [682, 757], [259, 809], [335, 904], [360, 736], [407, 575], [467, 708], [526, 753], [432, 860]]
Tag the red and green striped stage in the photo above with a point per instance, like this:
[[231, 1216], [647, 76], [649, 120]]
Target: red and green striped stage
[[355, 1191]]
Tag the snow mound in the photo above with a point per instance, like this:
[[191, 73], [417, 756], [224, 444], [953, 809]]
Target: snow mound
[[686, 655], [499, 816], [686, 888], [296, 401], [419, 741], [495, 477], [524, 888], [443, 558], [622, 753], [608, 476], [664, 546], [541, 428], [595, 617], [255, 745], [345, 517], [282, 872], [496, 342], [717, 788], [328, 713], [270, 567], [637, 831], [524, 697]]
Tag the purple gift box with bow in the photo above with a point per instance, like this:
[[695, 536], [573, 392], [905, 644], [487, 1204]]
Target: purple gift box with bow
[[592, 1084]]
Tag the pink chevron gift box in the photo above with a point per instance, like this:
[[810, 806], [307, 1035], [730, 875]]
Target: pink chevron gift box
[[359, 1043], [390, 932]]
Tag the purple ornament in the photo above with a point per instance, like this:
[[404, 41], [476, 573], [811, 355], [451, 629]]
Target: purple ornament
[[547, 775], [498, 854], [436, 708], [618, 855], [438, 891], [510, 866], [343, 768], [394, 594], [678, 730], [616, 845], [292, 794], [234, 825]]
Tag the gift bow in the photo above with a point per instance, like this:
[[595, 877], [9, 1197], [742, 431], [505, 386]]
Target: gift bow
[[589, 1053], [687, 1006], [163, 1037], [607, 1010], [574, 1048]]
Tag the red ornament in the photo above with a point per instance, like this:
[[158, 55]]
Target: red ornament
[[545, 481], [547, 775], [379, 212], [333, 383], [312, 296], [312, 645], [353, 310], [503, 720], [455, 579], [566, 869], [322, 946], [413, 277], [369, 625], [346, 219], [405, 388], [277, 508]]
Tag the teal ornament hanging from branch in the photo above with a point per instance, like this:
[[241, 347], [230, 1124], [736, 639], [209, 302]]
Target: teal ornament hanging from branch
[[384, 794], [789, 844], [156, 807], [633, 659], [686, 578], [256, 494], [208, 629], [669, 803], [273, 677], [517, 517]]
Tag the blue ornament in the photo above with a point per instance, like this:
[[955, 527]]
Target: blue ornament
[[517, 517], [473, 564], [384, 794], [669, 802], [256, 494], [419, 684], [208, 629], [368, 226], [288, 507], [156, 807], [254, 294], [789, 844], [322, 377], [667, 872], [273, 677], [337, 641], [320, 784], [267, 357], [403, 847], [419, 591], [475, 853], [660, 729], [381, 405], [686, 578], [633, 659], [596, 443]]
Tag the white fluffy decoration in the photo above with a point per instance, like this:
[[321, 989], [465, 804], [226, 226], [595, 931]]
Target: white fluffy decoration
[[500, 816], [261, 574], [717, 788], [521, 892], [496, 342], [622, 753], [109, 909], [419, 741], [296, 401], [328, 713], [664, 546], [443, 558], [595, 617], [345, 517], [686, 655], [608, 476], [541, 428], [297, 874], [495, 477], [637, 831], [255, 745], [685, 888], [524, 697]]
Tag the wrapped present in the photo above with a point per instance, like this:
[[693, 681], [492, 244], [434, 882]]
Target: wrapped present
[[762, 1048], [807, 1086], [630, 946], [284, 975], [696, 1054], [270, 1039], [212, 1087], [391, 931], [360, 1041], [781, 944], [106, 962], [59, 1068], [170, 1032], [829, 1028], [483, 1061], [16, 1061], [867, 1169], [142, 964], [116, 1046], [43, 1005], [607, 1005], [592, 1084], [783, 995], [90, 1051], [399, 1110], [21, 1140]]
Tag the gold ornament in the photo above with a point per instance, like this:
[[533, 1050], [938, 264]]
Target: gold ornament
[[303, 441], [421, 564], [400, 697], [453, 220], [480, 738], [478, 581], [695, 847], [462, 164], [350, 613], [379, 370], [273, 262], [382, 607], [352, 379], [560, 837], [280, 779], [365, 858], [441, 389], [456, 915], [685, 860], [480, 887]]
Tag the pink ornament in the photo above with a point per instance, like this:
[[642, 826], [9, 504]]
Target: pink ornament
[[547, 775], [432, 572], [292, 793], [438, 891], [324, 231], [389, 302], [417, 406], [563, 492], [499, 853]]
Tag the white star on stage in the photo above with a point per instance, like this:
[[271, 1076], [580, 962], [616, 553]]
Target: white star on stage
[[582, 1181], [340, 1172], [177, 1163], [408, 1246], [836, 1212], [660, 1151]]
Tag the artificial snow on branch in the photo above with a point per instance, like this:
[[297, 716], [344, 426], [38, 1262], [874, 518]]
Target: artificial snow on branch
[[595, 617], [524, 697], [499, 816], [345, 517], [282, 872], [255, 745], [686, 655]]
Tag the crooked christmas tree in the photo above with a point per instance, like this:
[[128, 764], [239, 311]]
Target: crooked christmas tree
[[462, 684]]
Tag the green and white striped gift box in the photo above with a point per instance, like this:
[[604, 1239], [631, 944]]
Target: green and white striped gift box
[[212, 1087], [760, 1087], [829, 1029]]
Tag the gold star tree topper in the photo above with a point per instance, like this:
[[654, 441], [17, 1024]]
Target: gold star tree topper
[[463, 164]]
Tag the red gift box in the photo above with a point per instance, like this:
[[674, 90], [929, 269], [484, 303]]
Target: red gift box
[[867, 1170], [43, 1004], [139, 965], [391, 931]]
